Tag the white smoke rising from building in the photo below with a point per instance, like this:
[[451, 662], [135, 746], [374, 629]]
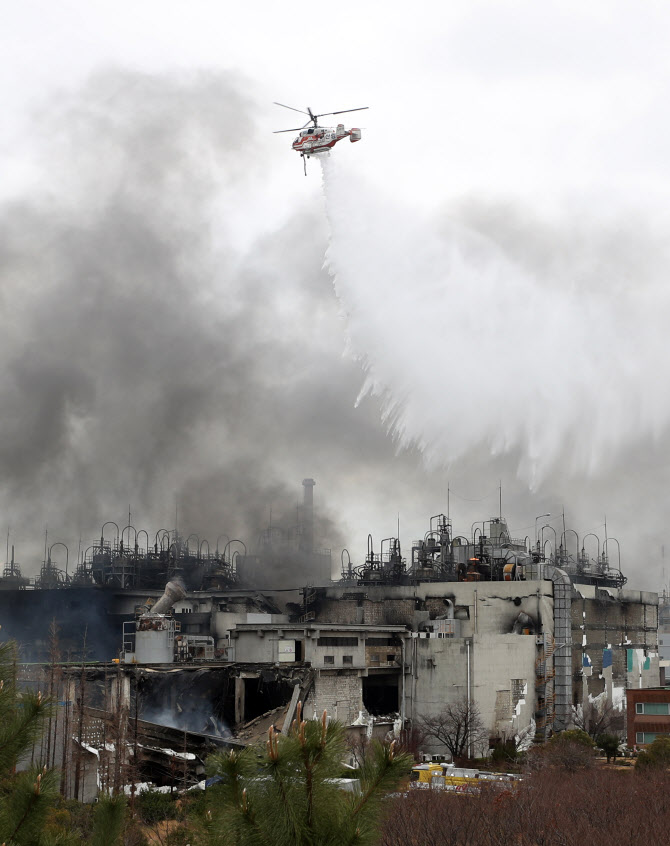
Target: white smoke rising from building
[[469, 348]]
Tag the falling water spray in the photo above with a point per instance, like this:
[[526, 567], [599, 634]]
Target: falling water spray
[[467, 348]]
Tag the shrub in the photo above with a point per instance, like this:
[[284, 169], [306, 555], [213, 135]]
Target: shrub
[[154, 807], [504, 752], [655, 756]]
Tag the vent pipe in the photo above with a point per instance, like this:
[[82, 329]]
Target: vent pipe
[[173, 592], [308, 516]]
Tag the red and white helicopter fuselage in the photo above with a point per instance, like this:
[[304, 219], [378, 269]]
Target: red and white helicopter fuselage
[[321, 139]]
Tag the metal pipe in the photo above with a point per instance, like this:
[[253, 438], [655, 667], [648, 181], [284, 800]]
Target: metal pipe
[[174, 590], [222, 535], [234, 540], [591, 535], [564, 533], [162, 533], [307, 537], [102, 532], [547, 526], [146, 533], [476, 523], [539, 517], [402, 700], [192, 535], [129, 526], [67, 554], [467, 643], [618, 548], [437, 517], [204, 540], [348, 561]]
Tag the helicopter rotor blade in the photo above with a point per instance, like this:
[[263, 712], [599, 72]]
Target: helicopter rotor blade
[[297, 129], [302, 112], [343, 111]]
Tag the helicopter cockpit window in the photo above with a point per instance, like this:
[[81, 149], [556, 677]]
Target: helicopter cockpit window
[[310, 131]]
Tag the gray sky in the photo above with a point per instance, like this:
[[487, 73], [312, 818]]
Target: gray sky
[[141, 178]]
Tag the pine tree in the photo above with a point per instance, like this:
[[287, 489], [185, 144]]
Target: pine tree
[[27, 796], [285, 796]]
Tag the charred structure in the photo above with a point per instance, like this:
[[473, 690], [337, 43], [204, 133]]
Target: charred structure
[[530, 631]]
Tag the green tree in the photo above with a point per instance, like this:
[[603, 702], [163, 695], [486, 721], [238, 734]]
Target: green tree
[[609, 743], [27, 796], [505, 752], [286, 796]]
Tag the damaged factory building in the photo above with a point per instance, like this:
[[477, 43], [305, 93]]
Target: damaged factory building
[[531, 632], [486, 620]]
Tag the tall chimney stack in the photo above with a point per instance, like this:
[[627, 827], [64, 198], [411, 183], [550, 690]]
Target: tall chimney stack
[[308, 516]]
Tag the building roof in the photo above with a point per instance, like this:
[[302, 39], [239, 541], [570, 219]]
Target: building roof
[[318, 627]]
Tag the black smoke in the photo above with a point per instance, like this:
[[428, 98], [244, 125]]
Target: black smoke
[[149, 361]]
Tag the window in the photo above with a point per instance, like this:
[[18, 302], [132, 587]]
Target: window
[[648, 736], [328, 659], [390, 659], [337, 641], [382, 641], [374, 658], [653, 708], [348, 659]]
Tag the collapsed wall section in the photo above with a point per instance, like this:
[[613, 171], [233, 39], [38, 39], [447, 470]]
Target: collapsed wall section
[[615, 642]]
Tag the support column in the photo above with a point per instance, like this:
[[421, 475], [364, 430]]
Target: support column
[[239, 700]]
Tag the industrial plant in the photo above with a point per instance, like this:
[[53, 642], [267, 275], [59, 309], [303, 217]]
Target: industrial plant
[[171, 646]]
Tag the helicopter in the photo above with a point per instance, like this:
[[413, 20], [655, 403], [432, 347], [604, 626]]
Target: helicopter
[[319, 139]]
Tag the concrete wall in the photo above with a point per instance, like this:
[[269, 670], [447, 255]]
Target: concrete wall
[[337, 654], [497, 604], [252, 647], [337, 692], [261, 645], [615, 641], [503, 682], [502, 679], [439, 674]]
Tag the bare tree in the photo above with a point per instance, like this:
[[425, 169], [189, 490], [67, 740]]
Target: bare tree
[[599, 716], [458, 726]]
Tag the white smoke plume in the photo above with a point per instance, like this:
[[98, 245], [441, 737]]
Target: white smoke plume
[[555, 358]]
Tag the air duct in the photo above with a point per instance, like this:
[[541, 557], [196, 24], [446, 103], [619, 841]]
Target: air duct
[[173, 591]]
